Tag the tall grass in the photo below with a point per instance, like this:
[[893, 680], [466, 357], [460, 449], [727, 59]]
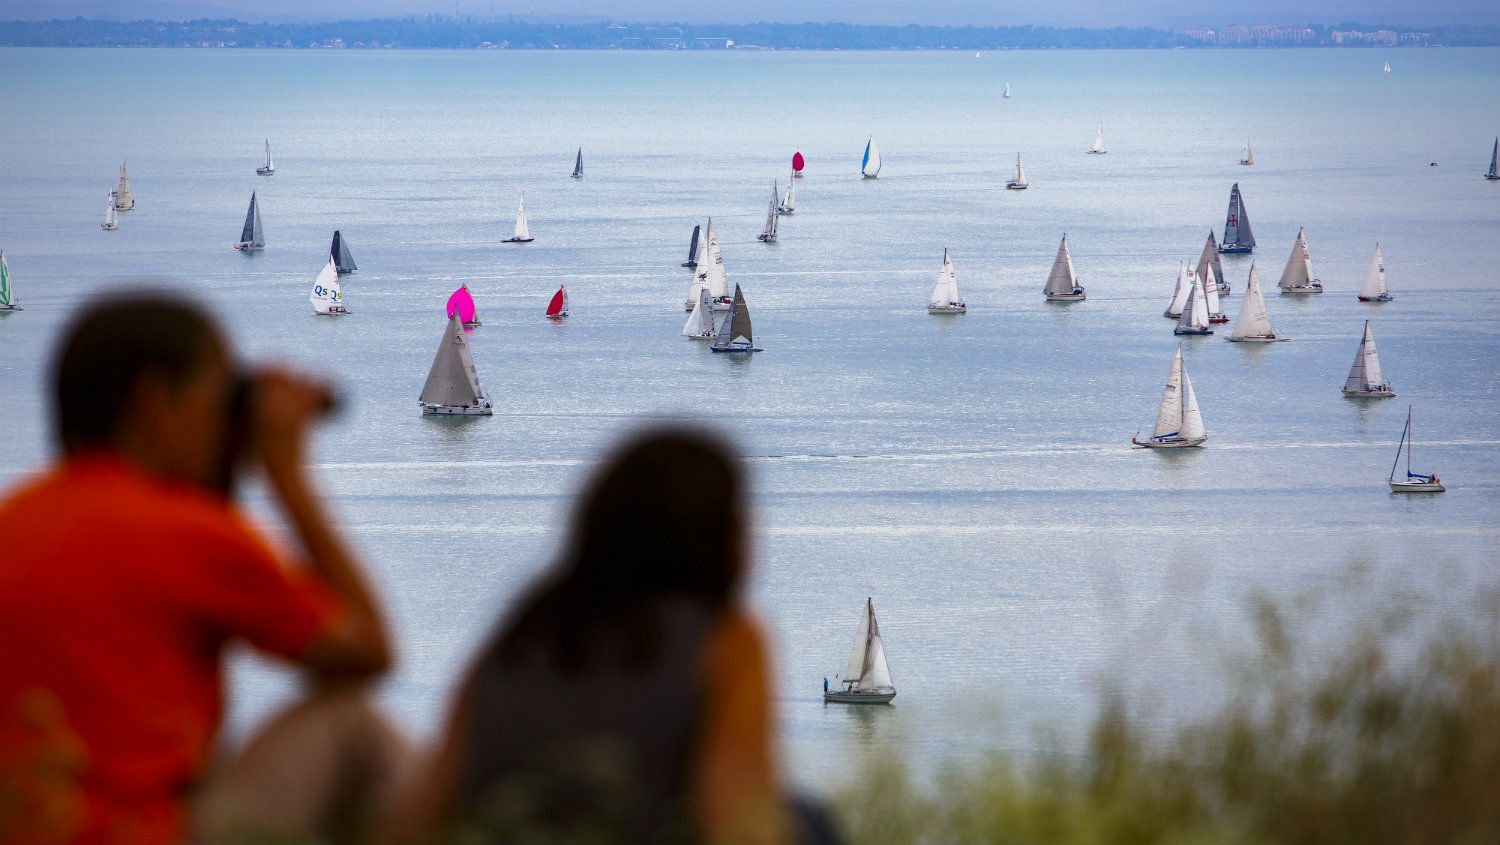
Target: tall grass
[[1393, 738]]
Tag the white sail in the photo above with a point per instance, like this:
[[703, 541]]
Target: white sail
[[856, 666], [1298, 272], [788, 204], [700, 321], [1387, 68], [111, 219], [714, 275], [1006, 95], [1249, 156], [1364, 373], [452, 382], [1019, 176], [945, 288], [124, 201], [1194, 316], [326, 292], [1254, 320], [1169, 415], [1062, 279], [523, 232], [1210, 287], [769, 232], [867, 670], [870, 165], [1192, 418], [270, 165], [1098, 140], [1181, 292], [1375, 286]]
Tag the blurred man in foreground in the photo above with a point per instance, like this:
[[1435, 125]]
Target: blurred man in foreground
[[125, 572]]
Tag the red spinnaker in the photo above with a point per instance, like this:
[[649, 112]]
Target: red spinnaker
[[797, 162], [556, 305]]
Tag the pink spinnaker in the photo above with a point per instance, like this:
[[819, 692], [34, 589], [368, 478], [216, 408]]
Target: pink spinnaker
[[462, 302]]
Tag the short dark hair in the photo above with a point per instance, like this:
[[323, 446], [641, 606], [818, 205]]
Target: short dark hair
[[106, 350]]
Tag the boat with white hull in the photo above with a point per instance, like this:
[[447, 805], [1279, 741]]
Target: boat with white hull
[[867, 676], [111, 218], [268, 168], [1412, 482], [773, 216], [700, 320], [327, 296], [1209, 258], [252, 237], [7, 296], [1365, 381], [1375, 289], [1248, 158], [452, 386], [869, 166], [1180, 292], [1297, 278], [945, 298], [1254, 322], [522, 234], [1238, 237], [1017, 177], [736, 335], [788, 203], [1062, 283], [1194, 317], [1179, 423]]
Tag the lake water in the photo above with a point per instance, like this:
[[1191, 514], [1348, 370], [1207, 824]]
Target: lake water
[[973, 474]]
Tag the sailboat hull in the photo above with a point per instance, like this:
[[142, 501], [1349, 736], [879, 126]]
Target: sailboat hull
[[1192, 331], [690, 264], [766, 239], [1491, 177], [736, 349], [1168, 442], [8, 308], [1385, 297], [947, 309], [1066, 297], [858, 697], [1302, 290], [109, 227], [1415, 487], [265, 171], [1015, 186], [1370, 394], [244, 247], [519, 240], [872, 175], [1218, 318], [484, 410], [1235, 249], [1269, 339], [1097, 152]]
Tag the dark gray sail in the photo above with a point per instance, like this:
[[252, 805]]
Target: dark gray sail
[[578, 165], [693, 249], [341, 257], [251, 232], [1237, 234], [736, 335], [1494, 160], [1210, 258]]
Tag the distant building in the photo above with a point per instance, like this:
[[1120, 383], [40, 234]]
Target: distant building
[[1202, 33], [713, 43], [1234, 36]]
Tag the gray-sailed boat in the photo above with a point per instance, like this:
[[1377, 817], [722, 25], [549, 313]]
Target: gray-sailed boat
[[339, 251], [1237, 234], [867, 678], [736, 335], [452, 386], [251, 236]]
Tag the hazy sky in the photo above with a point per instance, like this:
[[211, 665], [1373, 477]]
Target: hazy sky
[[1167, 13]]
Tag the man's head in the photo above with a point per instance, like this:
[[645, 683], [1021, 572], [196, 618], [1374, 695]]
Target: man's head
[[146, 375]]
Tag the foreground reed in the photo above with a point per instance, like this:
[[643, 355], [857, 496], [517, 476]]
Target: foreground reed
[[1395, 739]]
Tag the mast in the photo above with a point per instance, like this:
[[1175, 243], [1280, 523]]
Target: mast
[[1019, 177], [1180, 292], [1209, 259], [523, 232], [1169, 414], [736, 333], [251, 233], [1061, 280], [578, 165], [111, 220], [123, 199], [1400, 445], [787, 203], [945, 288], [1098, 140], [1494, 161], [1298, 271], [1254, 320], [1375, 285], [768, 233]]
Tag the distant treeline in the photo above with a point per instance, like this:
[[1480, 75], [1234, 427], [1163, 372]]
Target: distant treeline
[[438, 32]]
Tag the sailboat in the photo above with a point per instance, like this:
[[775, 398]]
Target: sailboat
[[1179, 423], [1180, 293], [111, 219], [945, 298], [523, 232], [1374, 289], [710, 273], [1494, 174], [867, 678], [1414, 482], [736, 334], [1249, 157], [452, 386], [1209, 286], [869, 166], [7, 296], [578, 165], [1062, 283], [1194, 317], [251, 236], [797, 164], [1018, 178], [1006, 95], [1387, 68], [558, 307], [1209, 258], [339, 251], [788, 204], [1237, 235], [1298, 278], [1365, 380], [327, 297], [461, 303], [1254, 322], [124, 200], [768, 232], [269, 168], [1098, 148], [693, 248], [700, 321]]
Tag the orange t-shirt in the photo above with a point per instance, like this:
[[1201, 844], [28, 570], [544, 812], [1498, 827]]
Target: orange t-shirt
[[118, 593]]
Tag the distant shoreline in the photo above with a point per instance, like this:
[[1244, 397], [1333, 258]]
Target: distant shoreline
[[449, 33]]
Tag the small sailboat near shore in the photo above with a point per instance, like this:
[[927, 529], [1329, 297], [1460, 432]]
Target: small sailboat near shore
[[1493, 173], [1062, 283], [1365, 381], [1194, 317], [111, 219], [1248, 157], [1017, 177], [867, 676], [1098, 148], [252, 237], [268, 168], [557, 307], [124, 199], [1179, 423], [7, 296], [578, 165], [1297, 277], [461, 303], [1237, 235], [452, 387], [736, 335], [700, 321], [339, 251], [1412, 482], [1374, 289], [869, 166], [693, 248], [522, 233], [1254, 322], [945, 298], [327, 296], [773, 215]]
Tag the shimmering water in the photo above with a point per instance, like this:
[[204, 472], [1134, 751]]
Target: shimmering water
[[972, 474]]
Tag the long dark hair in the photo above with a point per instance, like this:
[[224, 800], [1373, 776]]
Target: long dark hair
[[663, 519]]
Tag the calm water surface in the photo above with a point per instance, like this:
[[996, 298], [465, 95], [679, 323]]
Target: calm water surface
[[972, 474]]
